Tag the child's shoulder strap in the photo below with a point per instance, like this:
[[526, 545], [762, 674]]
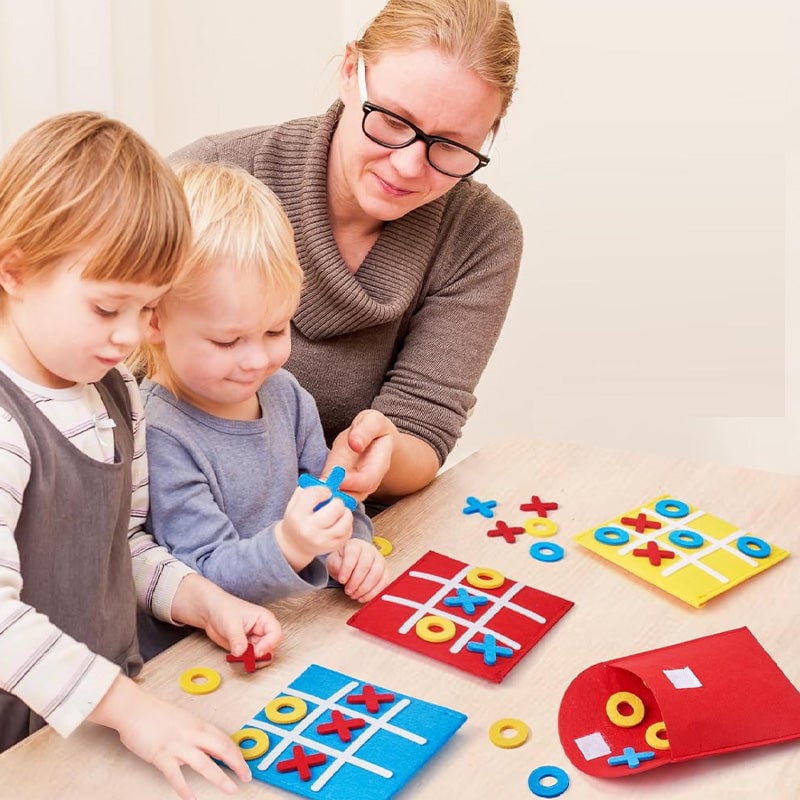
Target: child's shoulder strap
[[117, 388]]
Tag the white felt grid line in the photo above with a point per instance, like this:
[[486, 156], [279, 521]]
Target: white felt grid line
[[686, 558], [429, 605], [501, 637], [341, 757], [471, 626]]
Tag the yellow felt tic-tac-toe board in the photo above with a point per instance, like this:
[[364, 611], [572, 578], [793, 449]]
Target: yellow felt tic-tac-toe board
[[682, 549]]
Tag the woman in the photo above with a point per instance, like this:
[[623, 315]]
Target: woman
[[409, 264]]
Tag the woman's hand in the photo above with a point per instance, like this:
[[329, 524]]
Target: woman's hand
[[365, 451]]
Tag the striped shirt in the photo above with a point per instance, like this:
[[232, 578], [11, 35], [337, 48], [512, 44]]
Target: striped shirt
[[28, 639]]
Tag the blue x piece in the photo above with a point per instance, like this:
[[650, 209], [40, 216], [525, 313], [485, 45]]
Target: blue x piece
[[466, 600], [482, 507], [490, 649], [333, 482], [631, 758]]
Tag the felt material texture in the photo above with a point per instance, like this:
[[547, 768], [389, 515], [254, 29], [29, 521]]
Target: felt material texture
[[354, 739], [495, 622], [715, 694], [682, 549]]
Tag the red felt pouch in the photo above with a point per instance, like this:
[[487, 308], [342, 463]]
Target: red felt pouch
[[710, 695]]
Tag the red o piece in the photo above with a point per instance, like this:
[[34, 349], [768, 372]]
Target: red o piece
[[370, 699], [341, 725], [654, 553], [509, 534], [541, 508], [301, 761], [641, 523]]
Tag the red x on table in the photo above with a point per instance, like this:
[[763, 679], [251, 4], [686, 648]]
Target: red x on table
[[248, 658], [301, 762], [541, 508], [654, 553], [370, 699], [341, 726], [641, 523], [507, 533]]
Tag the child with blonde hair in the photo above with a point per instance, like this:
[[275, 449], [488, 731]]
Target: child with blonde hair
[[93, 229], [229, 431]]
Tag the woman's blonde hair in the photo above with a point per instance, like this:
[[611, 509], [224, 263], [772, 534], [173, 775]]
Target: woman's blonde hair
[[236, 220], [479, 34], [82, 182]]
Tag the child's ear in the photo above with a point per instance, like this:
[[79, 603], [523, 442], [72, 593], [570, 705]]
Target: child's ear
[[153, 334], [12, 267]]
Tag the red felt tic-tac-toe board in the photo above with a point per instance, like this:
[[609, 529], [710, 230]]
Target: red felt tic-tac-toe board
[[488, 615]]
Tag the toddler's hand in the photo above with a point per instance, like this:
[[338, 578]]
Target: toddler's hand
[[169, 737], [360, 568], [304, 533], [228, 621]]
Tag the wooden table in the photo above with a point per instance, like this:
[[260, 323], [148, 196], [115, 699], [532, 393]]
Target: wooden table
[[614, 615]]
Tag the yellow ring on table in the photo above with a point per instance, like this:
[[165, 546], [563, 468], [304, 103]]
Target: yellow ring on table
[[258, 737], [424, 629], [625, 720], [497, 729], [296, 705], [210, 680], [384, 545], [540, 526], [485, 578], [653, 739]]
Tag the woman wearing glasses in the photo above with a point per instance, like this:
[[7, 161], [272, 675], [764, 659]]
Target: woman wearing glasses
[[409, 264]]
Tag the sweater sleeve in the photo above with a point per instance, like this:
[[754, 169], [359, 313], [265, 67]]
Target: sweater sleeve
[[186, 518], [52, 673], [429, 389]]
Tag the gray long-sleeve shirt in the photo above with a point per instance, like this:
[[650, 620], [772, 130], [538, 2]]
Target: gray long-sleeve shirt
[[218, 487]]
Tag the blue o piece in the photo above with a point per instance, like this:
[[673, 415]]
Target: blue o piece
[[611, 535], [555, 790], [753, 546], [547, 551], [673, 509], [691, 540]]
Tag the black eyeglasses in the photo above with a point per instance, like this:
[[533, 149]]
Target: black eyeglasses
[[390, 130]]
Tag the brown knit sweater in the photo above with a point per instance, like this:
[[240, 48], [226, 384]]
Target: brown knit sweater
[[411, 331]]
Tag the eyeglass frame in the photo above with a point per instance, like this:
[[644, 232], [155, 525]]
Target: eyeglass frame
[[419, 135]]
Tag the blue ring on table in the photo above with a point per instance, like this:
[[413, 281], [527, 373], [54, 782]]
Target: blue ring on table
[[548, 771], [539, 550]]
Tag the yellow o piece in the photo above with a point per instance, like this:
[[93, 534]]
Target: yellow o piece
[[540, 526], [274, 712], [424, 629], [210, 680], [653, 739], [497, 730], [384, 545], [256, 750], [625, 720], [484, 578]]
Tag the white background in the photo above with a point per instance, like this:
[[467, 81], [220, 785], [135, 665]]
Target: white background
[[651, 152]]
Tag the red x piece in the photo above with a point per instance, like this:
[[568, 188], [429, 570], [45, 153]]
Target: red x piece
[[541, 508], [641, 523], [370, 699], [248, 658], [301, 762], [654, 553], [509, 534], [341, 726]]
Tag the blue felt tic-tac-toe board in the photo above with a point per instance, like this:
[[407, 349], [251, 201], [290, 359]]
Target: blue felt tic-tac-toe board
[[396, 740]]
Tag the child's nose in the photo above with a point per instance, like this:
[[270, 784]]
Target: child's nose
[[128, 332], [255, 357]]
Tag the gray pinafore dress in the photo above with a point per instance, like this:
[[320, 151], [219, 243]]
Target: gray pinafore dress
[[72, 537]]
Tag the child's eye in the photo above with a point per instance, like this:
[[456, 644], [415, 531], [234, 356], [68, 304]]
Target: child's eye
[[275, 334], [147, 309], [104, 312], [224, 344]]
